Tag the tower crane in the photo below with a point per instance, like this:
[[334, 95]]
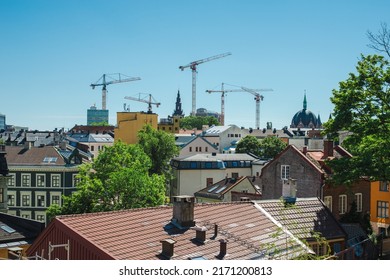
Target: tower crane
[[223, 91], [107, 79], [258, 98], [193, 65], [150, 101]]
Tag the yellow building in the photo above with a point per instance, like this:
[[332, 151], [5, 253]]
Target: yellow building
[[380, 200], [171, 125], [129, 123]]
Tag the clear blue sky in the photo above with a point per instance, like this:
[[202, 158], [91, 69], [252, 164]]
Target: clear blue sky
[[51, 51]]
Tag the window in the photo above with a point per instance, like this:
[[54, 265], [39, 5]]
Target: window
[[26, 180], [55, 198], [245, 191], [1, 195], [200, 149], [55, 181], [342, 203], [206, 149], [75, 180], [209, 181], [382, 209], [26, 216], [285, 172], [328, 202], [190, 149], [359, 202], [40, 218], [40, 180], [25, 200], [384, 186], [41, 201], [11, 200], [234, 175], [11, 180], [196, 149], [92, 148]]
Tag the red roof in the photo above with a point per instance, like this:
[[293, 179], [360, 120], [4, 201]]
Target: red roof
[[19, 155], [137, 234]]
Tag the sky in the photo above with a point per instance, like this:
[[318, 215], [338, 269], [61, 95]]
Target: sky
[[51, 51]]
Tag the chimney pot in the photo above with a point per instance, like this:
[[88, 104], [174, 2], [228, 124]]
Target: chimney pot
[[200, 233], [222, 248], [167, 247]]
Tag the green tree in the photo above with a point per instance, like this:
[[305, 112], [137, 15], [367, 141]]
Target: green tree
[[118, 179], [160, 147], [197, 122], [266, 148], [362, 107], [271, 146], [103, 123], [249, 144]]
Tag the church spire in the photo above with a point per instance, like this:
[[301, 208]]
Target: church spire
[[305, 102], [178, 111]]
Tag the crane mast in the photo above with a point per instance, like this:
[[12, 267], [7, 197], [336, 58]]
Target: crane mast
[[193, 66], [258, 98], [150, 101], [104, 82]]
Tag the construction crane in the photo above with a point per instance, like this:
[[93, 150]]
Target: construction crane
[[107, 79], [223, 91], [193, 65], [150, 101], [258, 98]]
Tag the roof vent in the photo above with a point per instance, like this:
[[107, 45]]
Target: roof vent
[[200, 234], [222, 248], [168, 246]]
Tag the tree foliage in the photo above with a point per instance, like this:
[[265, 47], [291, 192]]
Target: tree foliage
[[191, 122], [271, 146], [160, 147], [249, 144], [118, 179], [266, 148], [362, 107]]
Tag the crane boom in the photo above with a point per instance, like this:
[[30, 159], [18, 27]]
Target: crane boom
[[150, 101], [104, 83], [192, 66], [241, 89]]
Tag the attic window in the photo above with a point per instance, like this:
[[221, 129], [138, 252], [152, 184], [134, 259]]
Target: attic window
[[221, 189], [7, 229], [50, 160]]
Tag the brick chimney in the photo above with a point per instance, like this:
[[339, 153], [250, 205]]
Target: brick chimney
[[183, 211], [328, 148]]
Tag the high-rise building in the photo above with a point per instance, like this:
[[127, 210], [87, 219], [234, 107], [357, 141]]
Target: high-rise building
[[96, 116], [2, 122]]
